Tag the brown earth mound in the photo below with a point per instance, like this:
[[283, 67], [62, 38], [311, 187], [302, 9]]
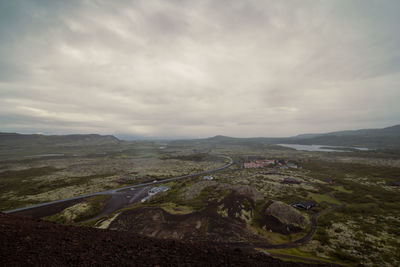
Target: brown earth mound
[[27, 242], [287, 214], [282, 218], [205, 225], [249, 191], [223, 220]]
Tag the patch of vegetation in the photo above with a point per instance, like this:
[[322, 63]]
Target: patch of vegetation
[[340, 188], [8, 204], [89, 208], [321, 198], [297, 252], [27, 173], [174, 195], [345, 257], [192, 157], [322, 236], [96, 206], [259, 206], [340, 170], [172, 208], [21, 183], [202, 200]]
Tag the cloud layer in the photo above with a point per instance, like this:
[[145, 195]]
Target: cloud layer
[[198, 68]]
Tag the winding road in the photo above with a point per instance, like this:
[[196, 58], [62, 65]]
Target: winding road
[[129, 194], [118, 191]]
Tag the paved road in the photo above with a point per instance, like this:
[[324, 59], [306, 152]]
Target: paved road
[[120, 200], [139, 190], [118, 190]]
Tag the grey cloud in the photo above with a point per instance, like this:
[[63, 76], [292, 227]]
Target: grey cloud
[[198, 68]]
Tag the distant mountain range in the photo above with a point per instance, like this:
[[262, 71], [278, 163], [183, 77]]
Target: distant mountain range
[[388, 131], [388, 137], [20, 140], [375, 138], [14, 145]]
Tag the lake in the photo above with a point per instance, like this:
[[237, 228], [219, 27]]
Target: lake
[[322, 148]]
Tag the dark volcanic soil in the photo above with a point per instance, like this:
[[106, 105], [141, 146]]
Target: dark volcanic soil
[[204, 225], [223, 220], [27, 242], [197, 226]]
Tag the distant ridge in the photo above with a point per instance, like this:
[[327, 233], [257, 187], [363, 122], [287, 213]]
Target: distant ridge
[[388, 137], [14, 145], [16, 139], [388, 131]]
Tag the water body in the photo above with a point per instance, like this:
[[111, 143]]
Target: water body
[[45, 155], [323, 148]]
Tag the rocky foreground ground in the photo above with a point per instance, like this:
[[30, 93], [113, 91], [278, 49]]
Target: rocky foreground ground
[[27, 242]]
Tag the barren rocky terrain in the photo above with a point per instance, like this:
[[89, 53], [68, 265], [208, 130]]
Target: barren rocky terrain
[[27, 242], [355, 219]]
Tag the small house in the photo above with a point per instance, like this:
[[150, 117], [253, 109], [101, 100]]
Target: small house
[[153, 191], [292, 165], [283, 167], [253, 165], [208, 178], [158, 189]]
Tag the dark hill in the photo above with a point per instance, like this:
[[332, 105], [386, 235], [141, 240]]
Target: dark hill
[[373, 138], [26, 242], [14, 145], [388, 137], [15, 139], [388, 131]]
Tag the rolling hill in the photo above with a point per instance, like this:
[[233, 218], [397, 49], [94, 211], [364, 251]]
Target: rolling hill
[[25, 145], [388, 137]]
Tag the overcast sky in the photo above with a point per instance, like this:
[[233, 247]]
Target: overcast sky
[[198, 68]]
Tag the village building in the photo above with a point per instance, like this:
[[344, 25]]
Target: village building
[[292, 165], [153, 191], [284, 167], [158, 189], [260, 163], [252, 165], [208, 178]]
